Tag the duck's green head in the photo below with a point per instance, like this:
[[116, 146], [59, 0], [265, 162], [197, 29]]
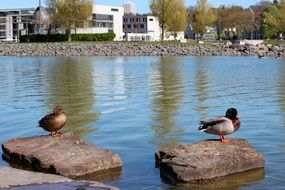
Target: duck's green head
[[231, 113]]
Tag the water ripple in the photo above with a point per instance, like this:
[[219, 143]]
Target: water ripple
[[135, 105]]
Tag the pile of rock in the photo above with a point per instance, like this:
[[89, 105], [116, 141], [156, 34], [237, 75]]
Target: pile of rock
[[261, 49], [130, 49]]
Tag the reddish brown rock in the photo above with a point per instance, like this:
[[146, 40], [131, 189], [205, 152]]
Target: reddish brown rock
[[207, 160], [67, 155]]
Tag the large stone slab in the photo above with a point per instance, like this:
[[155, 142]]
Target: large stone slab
[[207, 160], [21, 179], [67, 155]]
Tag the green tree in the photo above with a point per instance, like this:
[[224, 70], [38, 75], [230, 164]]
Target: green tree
[[274, 21], [70, 14], [203, 16], [234, 17], [257, 11], [167, 12], [162, 10], [178, 18]]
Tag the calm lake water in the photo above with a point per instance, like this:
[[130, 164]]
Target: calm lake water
[[135, 105]]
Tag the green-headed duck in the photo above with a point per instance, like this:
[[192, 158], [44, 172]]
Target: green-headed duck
[[223, 125]]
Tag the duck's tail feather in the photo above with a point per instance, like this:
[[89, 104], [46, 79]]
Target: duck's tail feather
[[202, 126]]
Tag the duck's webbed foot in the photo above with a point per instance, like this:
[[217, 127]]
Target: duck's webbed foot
[[223, 140], [56, 134]]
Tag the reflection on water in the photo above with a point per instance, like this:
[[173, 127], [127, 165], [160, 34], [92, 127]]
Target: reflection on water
[[229, 182], [69, 83], [112, 174], [282, 91], [202, 86], [135, 105], [167, 88]]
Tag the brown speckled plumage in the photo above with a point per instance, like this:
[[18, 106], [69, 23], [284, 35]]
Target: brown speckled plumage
[[54, 121]]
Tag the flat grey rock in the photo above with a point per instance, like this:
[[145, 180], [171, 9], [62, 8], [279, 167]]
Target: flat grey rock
[[20, 179], [67, 155], [207, 160]]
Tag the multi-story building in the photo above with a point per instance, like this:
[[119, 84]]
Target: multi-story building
[[17, 22], [14, 23], [145, 28], [105, 19], [141, 27], [130, 8]]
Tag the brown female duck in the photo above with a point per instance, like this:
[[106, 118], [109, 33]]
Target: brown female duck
[[54, 121]]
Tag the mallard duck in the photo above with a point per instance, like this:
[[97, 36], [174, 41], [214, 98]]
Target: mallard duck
[[278, 55], [54, 121], [222, 125]]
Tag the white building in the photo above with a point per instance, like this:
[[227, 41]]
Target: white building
[[130, 8], [14, 23], [145, 28], [105, 19], [141, 28]]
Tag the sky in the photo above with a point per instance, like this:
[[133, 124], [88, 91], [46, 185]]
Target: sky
[[142, 6]]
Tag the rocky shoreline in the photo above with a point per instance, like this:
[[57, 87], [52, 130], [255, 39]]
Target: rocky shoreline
[[135, 49]]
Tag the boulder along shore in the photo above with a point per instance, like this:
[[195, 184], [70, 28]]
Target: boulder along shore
[[135, 49]]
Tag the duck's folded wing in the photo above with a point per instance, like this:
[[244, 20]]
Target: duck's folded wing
[[46, 121], [211, 122]]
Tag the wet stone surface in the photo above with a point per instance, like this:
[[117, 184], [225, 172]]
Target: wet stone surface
[[207, 160], [11, 178], [67, 155]]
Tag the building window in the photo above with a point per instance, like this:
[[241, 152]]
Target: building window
[[129, 26], [2, 34], [144, 19], [151, 19], [103, 24], [142, 25], [114, 10], [15, 33], [102, 17], [15, 19], [15, 26], [3, 14], [13, 13], [2, 20], [2, 27]]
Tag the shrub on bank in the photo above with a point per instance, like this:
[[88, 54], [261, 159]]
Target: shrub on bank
[[64, 38], [93, 37], [44, 38]]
